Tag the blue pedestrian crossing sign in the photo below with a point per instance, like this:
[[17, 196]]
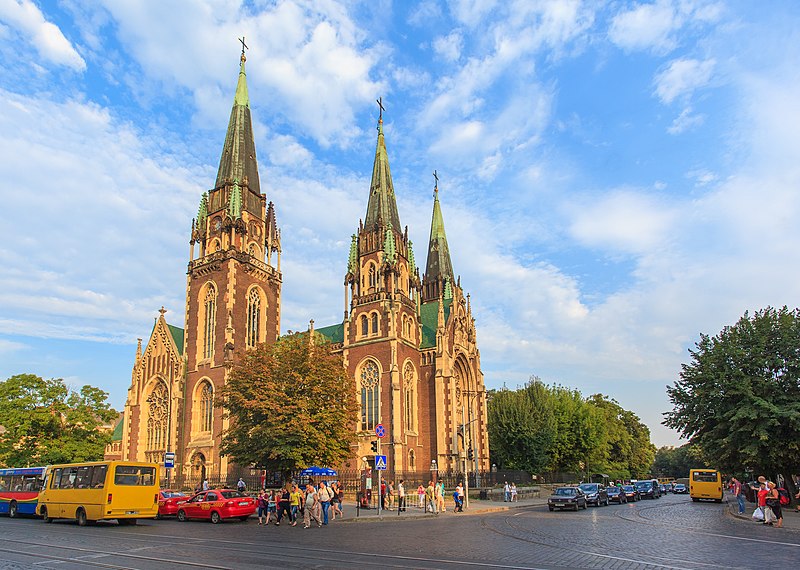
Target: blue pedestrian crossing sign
[[380, 463]]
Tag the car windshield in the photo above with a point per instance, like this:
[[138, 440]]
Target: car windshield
[[613, 490], [680, 486], [643, 486], [589, 487], [231, 494], [170, 494], [629, 488], [565, 491]]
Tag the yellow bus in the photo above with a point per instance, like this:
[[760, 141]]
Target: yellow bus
[[705, 484], [102, 490]]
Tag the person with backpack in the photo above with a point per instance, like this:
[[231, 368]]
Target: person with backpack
[[240, 485]]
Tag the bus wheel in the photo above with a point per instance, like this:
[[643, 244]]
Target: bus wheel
[[12, 510], [215, 518], [695, 499], [45, 517], [80, 516], [127, 522]]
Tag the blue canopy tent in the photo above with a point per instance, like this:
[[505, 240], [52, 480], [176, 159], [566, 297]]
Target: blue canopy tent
[[319, 471]]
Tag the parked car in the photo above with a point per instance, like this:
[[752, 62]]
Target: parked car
[[596, 494], [664, 489], [648, 489], [216, 505], [680, 489], [567, 498], [168, 501], [616, 495], [631, 493]]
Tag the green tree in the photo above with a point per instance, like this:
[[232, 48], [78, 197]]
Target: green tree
[[47, 422], [291, 405], [521, 427], [677, 461], [739, 397]]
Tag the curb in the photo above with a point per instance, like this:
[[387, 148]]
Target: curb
[[448, 514]]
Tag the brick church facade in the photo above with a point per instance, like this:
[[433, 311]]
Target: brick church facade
[[410, 342]]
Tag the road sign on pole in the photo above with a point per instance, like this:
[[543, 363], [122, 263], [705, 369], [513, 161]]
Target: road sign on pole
[[380, 431], [169, 460], [380, 463]]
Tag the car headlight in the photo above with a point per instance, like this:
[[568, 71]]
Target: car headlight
[[593, 496]]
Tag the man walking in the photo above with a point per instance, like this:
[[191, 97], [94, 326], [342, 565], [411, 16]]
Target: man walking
[[506, 493], [430, 498], [310, 507], [738, 492], [240, 485]]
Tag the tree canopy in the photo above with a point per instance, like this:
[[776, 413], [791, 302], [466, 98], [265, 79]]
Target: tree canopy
[[46, 422], [291, 404], [739, 397], [541, 428], [677, 461]]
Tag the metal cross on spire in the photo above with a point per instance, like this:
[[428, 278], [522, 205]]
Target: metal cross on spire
[[381, 108], [244, 45], [436, 184]]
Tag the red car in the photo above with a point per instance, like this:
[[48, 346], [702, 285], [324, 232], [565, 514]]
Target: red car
[[217, 504], [168, 502]]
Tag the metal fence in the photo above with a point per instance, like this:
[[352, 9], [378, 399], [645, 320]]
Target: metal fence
[[352, 481]]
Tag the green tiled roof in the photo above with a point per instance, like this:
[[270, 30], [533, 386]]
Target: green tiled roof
[[177, 336], [334, 333], [117, 435], [429, 315]]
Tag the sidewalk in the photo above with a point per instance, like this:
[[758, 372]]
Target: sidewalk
[[791, 518], [476, 507]]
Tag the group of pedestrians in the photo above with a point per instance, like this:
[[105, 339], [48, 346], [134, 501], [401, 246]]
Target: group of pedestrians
[[319, 504], [768, 499], [509, 492]]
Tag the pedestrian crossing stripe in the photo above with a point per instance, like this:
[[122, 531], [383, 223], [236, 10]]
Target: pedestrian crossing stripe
[[380, 462]]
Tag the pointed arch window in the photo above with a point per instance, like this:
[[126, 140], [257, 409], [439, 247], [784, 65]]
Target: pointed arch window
[[252, 337], [370, 392], [374, 323], [411, 404], [209, 320], [364, 325], [206, 407], [373, 278], [157, 414]]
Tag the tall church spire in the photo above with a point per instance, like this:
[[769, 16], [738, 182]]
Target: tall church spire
[[238, 160], [382, 205], [439, 264]]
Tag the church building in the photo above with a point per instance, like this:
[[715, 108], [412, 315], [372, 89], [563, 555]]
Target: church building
[[410, 342]]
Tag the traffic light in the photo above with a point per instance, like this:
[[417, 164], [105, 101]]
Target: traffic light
[[374, 445], [470, 456]]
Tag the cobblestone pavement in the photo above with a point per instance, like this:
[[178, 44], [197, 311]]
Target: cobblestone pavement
[[671, 532]]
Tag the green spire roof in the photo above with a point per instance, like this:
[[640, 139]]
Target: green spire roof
[[235, 202], [382, 204], [353, 259], [238, 160], [202, 211], [439, 264], [412, 263], [389, 248]]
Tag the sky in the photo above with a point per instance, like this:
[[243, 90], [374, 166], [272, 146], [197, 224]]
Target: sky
[[616, 178]]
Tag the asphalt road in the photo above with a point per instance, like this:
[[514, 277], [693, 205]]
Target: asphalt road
[[671, 532]]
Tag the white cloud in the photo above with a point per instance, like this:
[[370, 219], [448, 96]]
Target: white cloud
[[654, 26], [9, 346], [624, 221], [685, 121], [298, 51], [449, 47], [682, 77], [45, 36]]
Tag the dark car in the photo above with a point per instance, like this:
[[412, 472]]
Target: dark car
[[631, 493], [648, 489], [596, 494], [680, 489], [665, 488], [616, 495], [567, 498]]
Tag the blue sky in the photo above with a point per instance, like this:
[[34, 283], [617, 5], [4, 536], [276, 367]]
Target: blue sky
[[616, 177]]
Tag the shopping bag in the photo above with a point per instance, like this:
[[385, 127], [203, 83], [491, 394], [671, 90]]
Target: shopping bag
[[758, 514], [769, 516]]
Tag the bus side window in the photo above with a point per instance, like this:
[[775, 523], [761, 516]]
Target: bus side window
[[56, 476], [4, 483], [84, 477], [16, 483], [68, 477], [99, 476]]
